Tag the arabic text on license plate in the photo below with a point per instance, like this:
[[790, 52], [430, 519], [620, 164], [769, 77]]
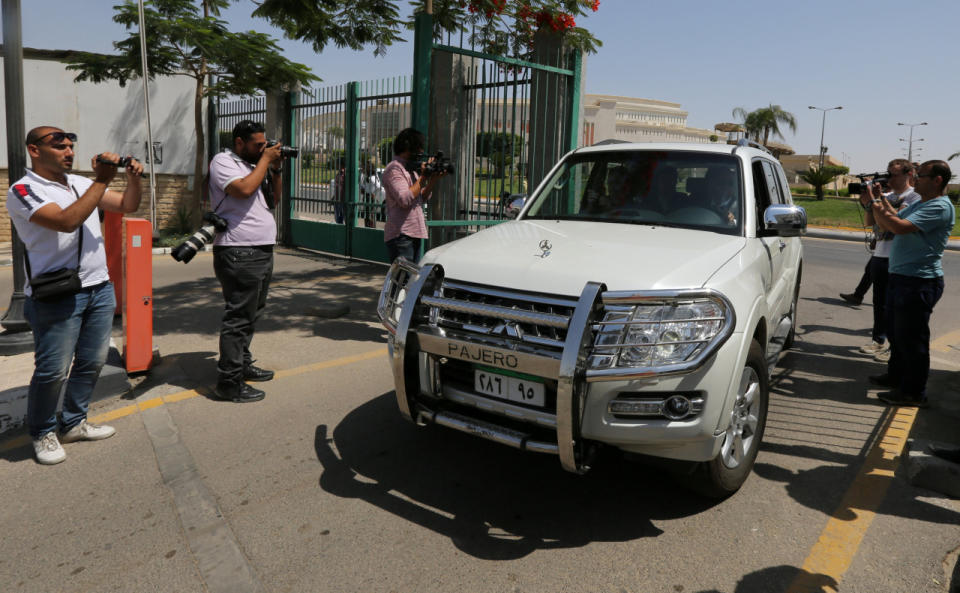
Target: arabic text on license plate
[[523, 391]]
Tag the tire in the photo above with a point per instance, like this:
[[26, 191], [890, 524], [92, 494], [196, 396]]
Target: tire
[[791, 336], [723, 475]]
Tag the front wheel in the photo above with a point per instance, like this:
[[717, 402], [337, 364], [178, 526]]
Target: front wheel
[[723, 475]]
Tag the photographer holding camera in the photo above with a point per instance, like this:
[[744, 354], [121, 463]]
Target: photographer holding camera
[[243, 253], [899, 178], [407, 189], [71, 300], [915, 281]]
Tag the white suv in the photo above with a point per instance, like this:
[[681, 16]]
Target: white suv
[[639, 300]]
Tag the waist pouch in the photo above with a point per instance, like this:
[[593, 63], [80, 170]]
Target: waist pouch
[[55, 285]]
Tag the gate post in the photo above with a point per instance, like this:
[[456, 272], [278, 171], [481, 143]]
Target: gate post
[[552, 94], [352, 155], [422, 50]]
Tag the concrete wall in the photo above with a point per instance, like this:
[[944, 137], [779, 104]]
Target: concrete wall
[[107, 117]]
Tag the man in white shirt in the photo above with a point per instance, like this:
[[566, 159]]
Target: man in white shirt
[[243, 254], [54, 213]]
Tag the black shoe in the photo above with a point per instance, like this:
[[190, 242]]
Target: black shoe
[[883, 380], [851, 298], [895, 398], [239, 392], [945, 452], [252, 373]]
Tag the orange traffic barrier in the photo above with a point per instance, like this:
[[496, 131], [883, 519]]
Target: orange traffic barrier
[[137, 295], [113, 244]]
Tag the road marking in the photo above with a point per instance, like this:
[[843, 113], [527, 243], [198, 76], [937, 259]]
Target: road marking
[[943, 343], [839, 541], [24, 440]]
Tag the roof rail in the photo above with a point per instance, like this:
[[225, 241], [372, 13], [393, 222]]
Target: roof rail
[[751, 143]]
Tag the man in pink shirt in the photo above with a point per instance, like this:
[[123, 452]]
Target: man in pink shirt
[[406, 192]]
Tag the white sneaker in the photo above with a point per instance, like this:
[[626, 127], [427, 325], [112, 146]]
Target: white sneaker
[[882, 356], [87, 432], [48, 449], [874, 348]]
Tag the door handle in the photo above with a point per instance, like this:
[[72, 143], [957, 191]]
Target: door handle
[[782, 245]]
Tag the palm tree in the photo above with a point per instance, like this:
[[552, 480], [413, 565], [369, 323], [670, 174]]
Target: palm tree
[[766, 121], [821, 176]]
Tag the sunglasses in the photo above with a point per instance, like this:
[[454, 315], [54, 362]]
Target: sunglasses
[[56, 137], [927, 176]]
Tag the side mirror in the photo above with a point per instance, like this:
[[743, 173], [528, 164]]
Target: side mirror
[[786, 220], [513, 204]]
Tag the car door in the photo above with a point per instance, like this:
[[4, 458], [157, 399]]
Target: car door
[[767, 192]]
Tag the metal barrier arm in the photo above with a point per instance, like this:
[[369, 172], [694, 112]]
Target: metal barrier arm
[[571, 389]]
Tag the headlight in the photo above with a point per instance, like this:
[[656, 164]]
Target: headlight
[[661, 333]]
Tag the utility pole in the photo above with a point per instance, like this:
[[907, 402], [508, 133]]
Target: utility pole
[[823, 124], [16, 337], [910, 145]]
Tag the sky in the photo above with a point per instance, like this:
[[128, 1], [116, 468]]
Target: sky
[[883, 61]]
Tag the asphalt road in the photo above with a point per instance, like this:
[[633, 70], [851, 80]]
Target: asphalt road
[[323, 487]]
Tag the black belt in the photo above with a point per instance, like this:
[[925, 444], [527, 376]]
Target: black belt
[[264, 248]]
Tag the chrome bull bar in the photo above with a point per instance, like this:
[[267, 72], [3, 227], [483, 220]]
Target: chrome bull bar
[[569, 371]]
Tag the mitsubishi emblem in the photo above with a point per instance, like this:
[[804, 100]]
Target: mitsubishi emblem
[[545, 248]]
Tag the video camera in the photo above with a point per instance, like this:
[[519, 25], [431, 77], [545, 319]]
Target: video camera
[[287, 152], [185, 251], [440, 164], [868, 179], [121, 163]]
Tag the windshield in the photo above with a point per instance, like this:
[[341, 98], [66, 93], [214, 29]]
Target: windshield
[[678, 189]]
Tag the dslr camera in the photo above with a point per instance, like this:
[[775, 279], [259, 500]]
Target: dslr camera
[[868, 179], [287, 152], [214, 223], [440, 164]]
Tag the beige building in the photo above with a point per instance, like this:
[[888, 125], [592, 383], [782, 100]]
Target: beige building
[[609, 117], [795, 164]]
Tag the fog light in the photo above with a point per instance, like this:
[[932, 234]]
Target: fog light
[[676, 407]]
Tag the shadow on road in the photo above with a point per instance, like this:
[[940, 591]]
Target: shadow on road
[[493, 502], [779, 578], [196, 306]]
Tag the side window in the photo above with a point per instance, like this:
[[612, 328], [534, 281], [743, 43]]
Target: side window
[[773, 184], [761, 193], [784, 186]]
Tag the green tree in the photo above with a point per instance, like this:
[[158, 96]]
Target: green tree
[[385, 150], [335, 137], [185, 38], [766, 121], [818, 177]]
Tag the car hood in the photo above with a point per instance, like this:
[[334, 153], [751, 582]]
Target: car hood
[[515, 255]]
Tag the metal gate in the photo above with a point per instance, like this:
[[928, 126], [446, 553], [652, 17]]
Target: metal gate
[[504, 122], [345, 134]]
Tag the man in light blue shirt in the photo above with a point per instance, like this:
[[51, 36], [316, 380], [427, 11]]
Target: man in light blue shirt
[[915, 283]]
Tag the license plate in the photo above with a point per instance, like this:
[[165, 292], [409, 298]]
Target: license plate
[[515, 389]]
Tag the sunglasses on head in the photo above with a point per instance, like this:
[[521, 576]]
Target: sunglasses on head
[[56, 137]]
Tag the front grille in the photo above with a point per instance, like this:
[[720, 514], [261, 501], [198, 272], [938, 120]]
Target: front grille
[[513, 317]]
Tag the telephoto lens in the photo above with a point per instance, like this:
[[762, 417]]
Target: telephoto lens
[[185, 251]]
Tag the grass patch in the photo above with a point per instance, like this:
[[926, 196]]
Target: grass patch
[[840, 212]]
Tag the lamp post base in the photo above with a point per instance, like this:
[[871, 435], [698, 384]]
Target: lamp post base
[[15, 342]]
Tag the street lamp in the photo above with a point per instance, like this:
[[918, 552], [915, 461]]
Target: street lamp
[[823, 124], [911, 126]]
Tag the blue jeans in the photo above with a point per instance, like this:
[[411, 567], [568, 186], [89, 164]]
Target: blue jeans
[[75, 328], [910, 302], [408, 247]]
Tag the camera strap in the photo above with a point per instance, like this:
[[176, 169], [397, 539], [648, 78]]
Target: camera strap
[[26, 254]]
